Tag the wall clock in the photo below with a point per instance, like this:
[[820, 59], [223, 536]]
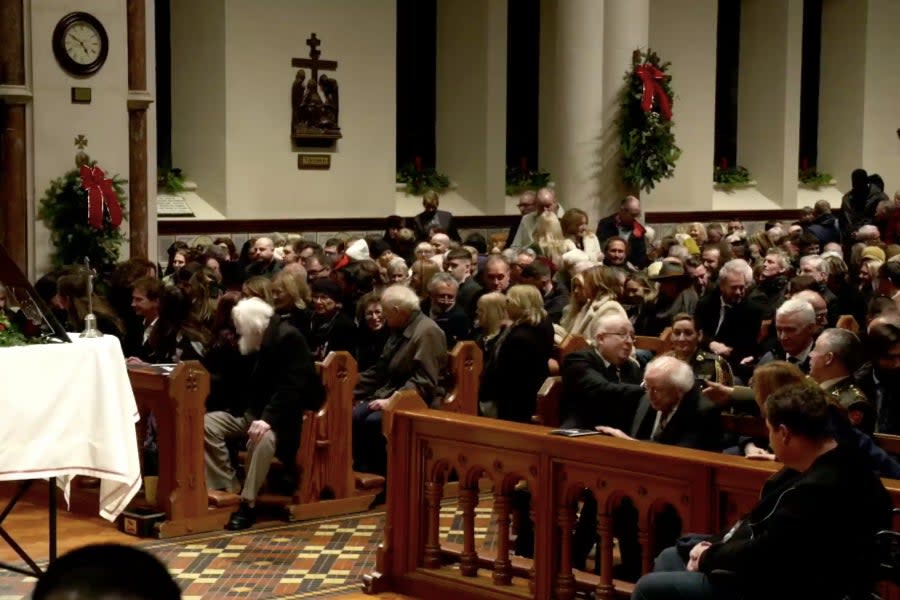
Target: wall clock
[[80, 43]]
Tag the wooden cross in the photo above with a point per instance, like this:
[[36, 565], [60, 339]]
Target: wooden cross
[[313, 62]]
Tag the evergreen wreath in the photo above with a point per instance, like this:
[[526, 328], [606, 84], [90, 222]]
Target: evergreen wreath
[[646, 138], [64, 210]]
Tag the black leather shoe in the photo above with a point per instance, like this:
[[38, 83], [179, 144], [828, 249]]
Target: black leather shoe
[[243, 518]]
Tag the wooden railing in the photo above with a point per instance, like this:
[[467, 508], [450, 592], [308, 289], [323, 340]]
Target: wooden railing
[[708, 490]]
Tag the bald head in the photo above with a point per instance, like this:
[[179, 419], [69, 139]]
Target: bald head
[[263, 249], [546, 199]]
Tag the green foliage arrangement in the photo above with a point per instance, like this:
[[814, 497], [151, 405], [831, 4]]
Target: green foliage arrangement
[[519, 179], [63, 209], [646, 138], [419, 180], [172, 181], [813, 178], [11, 336], [725, 175]]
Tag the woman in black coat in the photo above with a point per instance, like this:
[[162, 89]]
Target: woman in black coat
[[519, 363]]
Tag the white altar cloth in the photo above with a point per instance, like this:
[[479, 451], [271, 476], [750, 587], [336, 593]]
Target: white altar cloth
[[67, 410]]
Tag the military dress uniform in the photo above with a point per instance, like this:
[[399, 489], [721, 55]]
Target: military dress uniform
[[859, 409], [709, 366]]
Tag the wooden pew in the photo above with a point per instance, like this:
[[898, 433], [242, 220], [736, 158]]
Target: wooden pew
[[708, 490], [178, 402], [466, 364], [549, 401]]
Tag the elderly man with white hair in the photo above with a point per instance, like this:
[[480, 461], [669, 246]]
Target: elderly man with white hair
[[795, 326], [671, 412], [414, 358], [283, 384], [730, 316], [815, 267]]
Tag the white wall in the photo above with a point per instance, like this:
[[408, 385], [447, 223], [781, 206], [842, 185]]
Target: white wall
[[198, 95], [769, 96], [56, 121], [842, 87], [232, 79], [881, 146], [685, 34], [470, 127]]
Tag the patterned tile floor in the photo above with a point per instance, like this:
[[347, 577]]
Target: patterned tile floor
[[290, 561]]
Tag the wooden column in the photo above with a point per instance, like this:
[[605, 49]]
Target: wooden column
[[13, 158], [138, 101]]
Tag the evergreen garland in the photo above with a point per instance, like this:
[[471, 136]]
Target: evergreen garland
[[63, 209], [647, 141]]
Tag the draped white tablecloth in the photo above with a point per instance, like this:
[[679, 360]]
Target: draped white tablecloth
[[66, 410]]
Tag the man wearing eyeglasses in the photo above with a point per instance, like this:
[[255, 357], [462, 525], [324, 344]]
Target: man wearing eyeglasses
[[602, 385]]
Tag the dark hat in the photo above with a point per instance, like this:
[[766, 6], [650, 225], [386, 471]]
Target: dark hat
[[377, 246], [326, 287], [669, 270]]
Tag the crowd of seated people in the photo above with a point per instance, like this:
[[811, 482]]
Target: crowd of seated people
[[821, 294]]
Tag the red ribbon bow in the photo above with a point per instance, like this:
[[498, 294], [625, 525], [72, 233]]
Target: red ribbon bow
[[101, 194], [651, 79]]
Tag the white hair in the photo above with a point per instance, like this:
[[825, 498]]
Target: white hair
[[868, 232], [737, 266], [796, 306], [815, 262], [400, 296], [251, 318], [678, 372], [607, 321]]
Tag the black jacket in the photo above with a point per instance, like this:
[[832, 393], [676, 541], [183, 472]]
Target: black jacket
[[637, 244], [592, 396], [810, 533], [695, 424], [516, 369], [444, 220], [282, 384]]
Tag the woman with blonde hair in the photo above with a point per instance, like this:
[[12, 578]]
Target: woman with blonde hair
[[491, 317], [258, 287], [291, 299], [574, 224], [595, 295], [421, 273], [519, 363], [549, 240]]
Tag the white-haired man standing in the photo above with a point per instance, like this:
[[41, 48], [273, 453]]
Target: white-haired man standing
[[413, 359], [282, 385], [730, 315]]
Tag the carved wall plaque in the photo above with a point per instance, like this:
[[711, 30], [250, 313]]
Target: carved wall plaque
[[315, 106]]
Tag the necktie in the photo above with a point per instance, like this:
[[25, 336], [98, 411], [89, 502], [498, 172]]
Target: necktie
[[614, 374], [660, 426], [722, 314]]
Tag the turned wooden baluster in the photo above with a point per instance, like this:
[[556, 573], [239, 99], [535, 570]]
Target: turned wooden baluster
[[565, 581], [531, 572], [434, 491], [502, 566], [605, 589], [646, 554], [468, 560]]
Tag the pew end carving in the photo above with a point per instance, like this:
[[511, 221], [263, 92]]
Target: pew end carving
[[466, 365]]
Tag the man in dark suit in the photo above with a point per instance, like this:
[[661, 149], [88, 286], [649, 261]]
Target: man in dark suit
[[624, 224], [602, 385], [431, 218], [795, 326], [283, 383], [672, 412], [730, 316]]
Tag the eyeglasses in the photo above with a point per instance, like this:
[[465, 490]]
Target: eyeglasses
[[625, 336]]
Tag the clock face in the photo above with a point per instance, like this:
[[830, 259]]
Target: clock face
[[80, 43]]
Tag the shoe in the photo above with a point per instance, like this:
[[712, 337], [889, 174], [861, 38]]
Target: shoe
[[243, 518]]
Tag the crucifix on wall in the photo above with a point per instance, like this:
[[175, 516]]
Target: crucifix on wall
[[314, 101]]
